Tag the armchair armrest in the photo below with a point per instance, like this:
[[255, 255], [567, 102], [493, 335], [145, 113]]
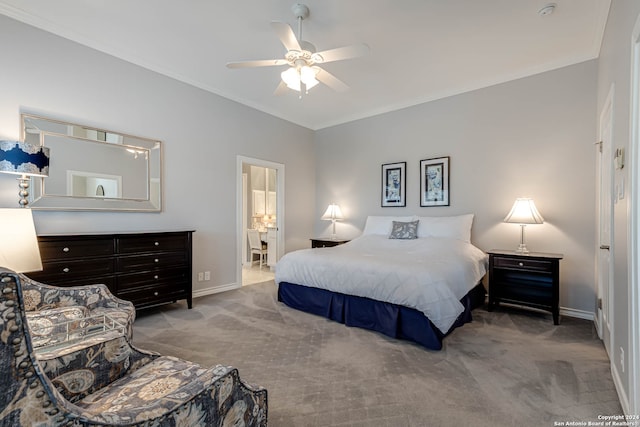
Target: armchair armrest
[[96, 298]]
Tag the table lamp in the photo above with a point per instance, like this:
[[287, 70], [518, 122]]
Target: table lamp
[[26, 160], [523, 212], [19, 251], [333, 214]]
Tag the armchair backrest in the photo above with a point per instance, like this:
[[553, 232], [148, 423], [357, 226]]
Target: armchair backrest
[[27, 397]]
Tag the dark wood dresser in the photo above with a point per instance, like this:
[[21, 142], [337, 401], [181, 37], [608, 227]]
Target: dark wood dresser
[[145, 268]]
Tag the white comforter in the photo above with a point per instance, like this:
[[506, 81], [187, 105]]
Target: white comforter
[[428, 274]]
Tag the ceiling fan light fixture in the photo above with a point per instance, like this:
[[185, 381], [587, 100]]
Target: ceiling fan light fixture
[[301, 57], [308, 76], [292, 78]]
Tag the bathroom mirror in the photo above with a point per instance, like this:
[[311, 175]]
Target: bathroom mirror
[[94, 169]]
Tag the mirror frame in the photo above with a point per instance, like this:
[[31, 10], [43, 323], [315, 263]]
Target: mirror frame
[[38, 199]]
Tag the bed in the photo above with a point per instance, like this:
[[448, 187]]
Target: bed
[[412, 278]]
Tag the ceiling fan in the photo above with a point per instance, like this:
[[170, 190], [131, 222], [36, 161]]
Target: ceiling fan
[[301, 57]]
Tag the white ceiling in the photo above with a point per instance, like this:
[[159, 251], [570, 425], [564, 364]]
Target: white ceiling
[[421, 50]]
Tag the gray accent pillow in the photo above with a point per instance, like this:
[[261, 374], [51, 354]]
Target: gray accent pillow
[[404, 230]]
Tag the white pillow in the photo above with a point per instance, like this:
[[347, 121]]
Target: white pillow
[[453, 227], [382, 224]]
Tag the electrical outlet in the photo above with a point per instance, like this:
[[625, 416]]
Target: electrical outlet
[[200, 277], [622, 359], [207, 275]]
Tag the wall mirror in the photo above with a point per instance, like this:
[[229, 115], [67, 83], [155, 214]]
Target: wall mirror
[[94, 169]]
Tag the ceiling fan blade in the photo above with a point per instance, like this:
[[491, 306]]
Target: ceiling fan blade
[[286, 35], [281, 89], [258, 63], [330, 80], [346, 52]]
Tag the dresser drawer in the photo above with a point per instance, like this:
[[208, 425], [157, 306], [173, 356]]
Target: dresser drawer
[[152, 295], [133, 263], [176, 277], [76, 269], [152, 243], [522, 264], [69, 248]]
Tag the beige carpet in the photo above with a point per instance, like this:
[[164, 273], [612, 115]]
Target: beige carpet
[[506, 368]]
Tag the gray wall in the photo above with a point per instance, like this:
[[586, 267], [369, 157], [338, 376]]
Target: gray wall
[[202, 135], [614, 67], [530, 137]]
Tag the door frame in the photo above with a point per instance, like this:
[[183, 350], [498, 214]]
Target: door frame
[[607, 300], [280, 213], [634, 226]]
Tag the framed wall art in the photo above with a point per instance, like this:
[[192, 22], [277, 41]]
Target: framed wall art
[[393, 184], [434, 182]]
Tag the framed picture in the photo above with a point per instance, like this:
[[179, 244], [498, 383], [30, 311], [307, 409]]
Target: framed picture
[[393, 184], [434, 182]]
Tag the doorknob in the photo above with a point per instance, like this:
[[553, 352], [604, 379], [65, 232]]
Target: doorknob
[[604, 247]]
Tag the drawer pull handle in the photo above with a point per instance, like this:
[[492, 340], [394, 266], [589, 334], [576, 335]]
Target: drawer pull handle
[[65, 249], [521, 264], [155, 293], [157, 243], [156, 260], [66, 269]]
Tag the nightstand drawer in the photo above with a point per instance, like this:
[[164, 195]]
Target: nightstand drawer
[[522, 263]]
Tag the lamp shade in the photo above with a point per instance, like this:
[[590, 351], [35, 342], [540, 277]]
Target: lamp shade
[[293, 77], [524, 212], [333, 213], [22, 158], [19, 250]]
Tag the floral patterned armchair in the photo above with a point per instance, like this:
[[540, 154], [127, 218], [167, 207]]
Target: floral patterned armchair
[[43, 302], [102, 379]]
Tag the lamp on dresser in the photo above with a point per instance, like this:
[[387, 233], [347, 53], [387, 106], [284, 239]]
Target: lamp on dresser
[[333, 214], [26, 160], [523, 212], [19, 251]]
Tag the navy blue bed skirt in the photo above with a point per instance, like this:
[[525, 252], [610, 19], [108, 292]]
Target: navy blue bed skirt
[[393, 320]]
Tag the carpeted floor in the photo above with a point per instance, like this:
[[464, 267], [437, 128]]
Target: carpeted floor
[[506, 368]]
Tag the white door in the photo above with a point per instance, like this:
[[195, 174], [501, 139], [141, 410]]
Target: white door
[[605, 207]]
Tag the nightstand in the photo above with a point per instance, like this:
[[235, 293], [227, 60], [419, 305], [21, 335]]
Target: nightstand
[[326, 242], [531, 280]]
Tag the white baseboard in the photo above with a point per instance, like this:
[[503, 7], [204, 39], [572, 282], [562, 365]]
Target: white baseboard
[[622, 395], [580, 314], [214, 290]]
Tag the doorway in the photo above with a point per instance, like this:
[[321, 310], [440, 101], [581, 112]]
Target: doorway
[[260, 207]]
